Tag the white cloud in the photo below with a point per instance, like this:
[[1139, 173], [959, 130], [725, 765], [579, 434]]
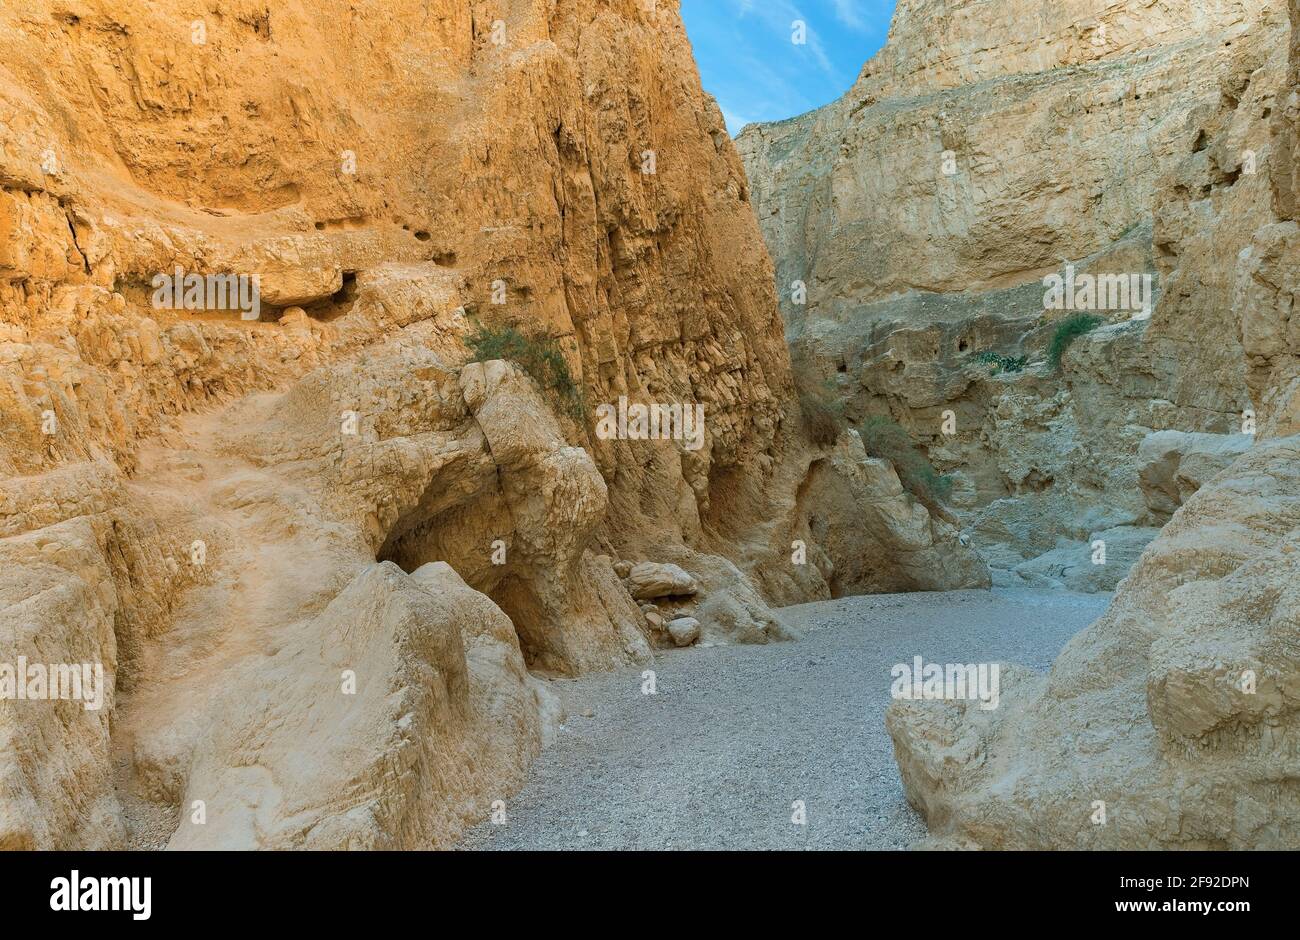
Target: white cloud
[[847, 12], [734, 121], [780, 16], [755, 71]]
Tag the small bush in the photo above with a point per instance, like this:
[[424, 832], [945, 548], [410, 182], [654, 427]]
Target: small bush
[[821, 404], [540, 358], [1003, 363], [1067, 331], [823, 412], [885, 439]]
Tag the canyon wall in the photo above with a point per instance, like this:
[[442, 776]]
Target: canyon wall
[[1174, 720], [323, 561], [991, 146]]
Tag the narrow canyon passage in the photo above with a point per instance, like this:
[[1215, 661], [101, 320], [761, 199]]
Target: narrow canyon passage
[[736, 734], [389, 391]]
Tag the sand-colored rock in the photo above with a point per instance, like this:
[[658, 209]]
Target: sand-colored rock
[[1175, 464], [1148, 710], [441, 697], [684, 630], [1172, 721], [895, 545], [228, 505], [974, 157], [1058, 136], [650, 580], [1097, 564], [1266, 291]]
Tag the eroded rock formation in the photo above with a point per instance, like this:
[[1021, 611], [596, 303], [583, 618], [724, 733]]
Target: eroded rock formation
[[316, 553], [1174, 721], [986, 148]]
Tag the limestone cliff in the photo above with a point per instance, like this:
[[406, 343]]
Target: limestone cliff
[[991, 146], [316, 553], [1173, 720]]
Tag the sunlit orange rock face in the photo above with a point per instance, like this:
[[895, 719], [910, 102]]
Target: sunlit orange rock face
[[326, 565]]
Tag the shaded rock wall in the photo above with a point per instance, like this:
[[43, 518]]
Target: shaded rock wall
[[1173, 720], [923, 210]]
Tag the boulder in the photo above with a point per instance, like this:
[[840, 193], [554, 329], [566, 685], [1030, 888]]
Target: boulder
[[650, 580], [1096, 565], [684, 630], [1175, 464], [877, 537], [1165, 724]]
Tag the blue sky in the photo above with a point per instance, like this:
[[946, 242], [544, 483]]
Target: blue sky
[[749, 63]]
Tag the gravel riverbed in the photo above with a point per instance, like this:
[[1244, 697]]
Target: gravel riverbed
[[736, 734]]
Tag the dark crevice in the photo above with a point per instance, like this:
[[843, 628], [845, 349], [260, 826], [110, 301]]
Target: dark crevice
[[337, 304], [85, 262]]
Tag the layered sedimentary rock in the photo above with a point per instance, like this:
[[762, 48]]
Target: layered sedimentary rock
[[853, 507], [245, 466], [1175, 464], [992, 146], [1173, 721]]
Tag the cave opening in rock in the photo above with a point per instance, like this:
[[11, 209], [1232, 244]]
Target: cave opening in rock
[[473, 539], [338, 303]]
